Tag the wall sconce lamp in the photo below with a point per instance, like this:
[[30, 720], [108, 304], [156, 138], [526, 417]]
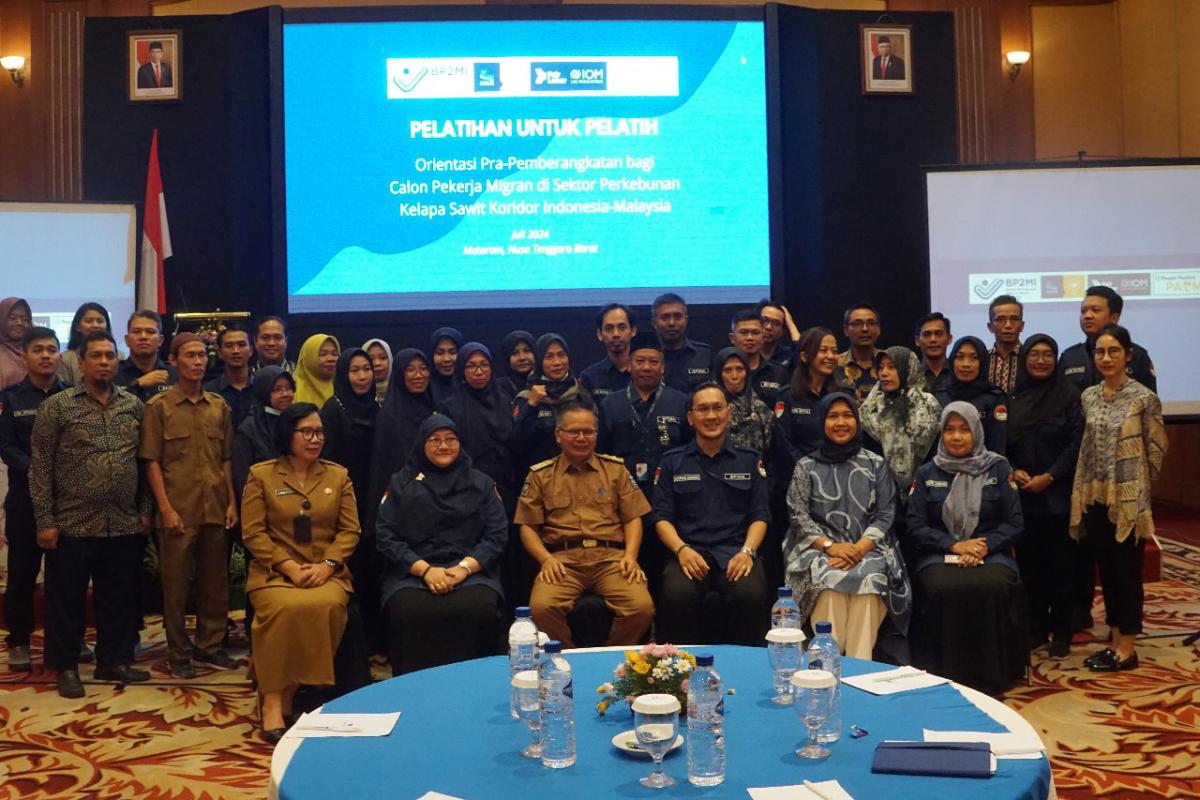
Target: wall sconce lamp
[[1016, 59], [16, 68]]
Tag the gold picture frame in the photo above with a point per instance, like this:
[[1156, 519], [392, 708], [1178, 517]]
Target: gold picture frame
[[154, 72]]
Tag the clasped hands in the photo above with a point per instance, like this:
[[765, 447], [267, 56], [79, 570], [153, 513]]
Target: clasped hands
[[306, 576], [843, 555], [443, 580], [970, 552]]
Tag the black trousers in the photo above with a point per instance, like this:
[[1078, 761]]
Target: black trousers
[[427, 630], [24, 561], [1047, 557], [680, 617], [1120, 571], [112, 565]]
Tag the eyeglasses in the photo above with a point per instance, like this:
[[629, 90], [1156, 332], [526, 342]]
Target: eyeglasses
[[482, 366], [767, 322], [419, 370], [577, 433], [714, 408], [1005, 320], [310, 434], [859, 324], [442, 441]]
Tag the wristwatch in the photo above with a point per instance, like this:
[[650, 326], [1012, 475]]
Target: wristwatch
[[467, 566], [329, 562], [828, 544], [749, 551]]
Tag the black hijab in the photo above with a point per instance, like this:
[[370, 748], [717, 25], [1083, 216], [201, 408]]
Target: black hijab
[[828, 452], [483, 416], [507, 346], [360, 409], [718, 366], [958, 390], [263, 420], [450, 492], [1035, 401], [896, 403], [439, 384], [554, 389], [397, 423]]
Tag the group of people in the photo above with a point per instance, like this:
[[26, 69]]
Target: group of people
[[956, 496]]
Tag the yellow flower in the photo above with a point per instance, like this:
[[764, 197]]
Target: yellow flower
[[641, 667], [634, 657], [602, 706], [691, 658]]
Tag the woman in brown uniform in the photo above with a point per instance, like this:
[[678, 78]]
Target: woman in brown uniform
[[300, 524]]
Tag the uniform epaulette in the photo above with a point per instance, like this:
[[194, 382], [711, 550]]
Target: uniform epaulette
[[743, 449], [155, 398], [607, 457], [541, 465]]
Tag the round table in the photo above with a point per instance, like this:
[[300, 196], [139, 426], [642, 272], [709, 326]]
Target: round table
[[455, 736]]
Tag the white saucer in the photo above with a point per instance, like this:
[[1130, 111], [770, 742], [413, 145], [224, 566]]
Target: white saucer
[[626, 742]]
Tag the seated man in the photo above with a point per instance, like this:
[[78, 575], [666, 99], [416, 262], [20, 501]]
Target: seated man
[[580, 515], [711, 510]]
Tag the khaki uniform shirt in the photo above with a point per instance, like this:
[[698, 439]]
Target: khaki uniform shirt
[[272, 501], [190, 441], [593, 500]]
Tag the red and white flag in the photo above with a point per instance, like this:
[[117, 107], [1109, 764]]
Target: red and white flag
[[156, 239]]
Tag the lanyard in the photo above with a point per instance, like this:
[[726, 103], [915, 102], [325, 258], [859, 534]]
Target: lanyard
[[629, 396]]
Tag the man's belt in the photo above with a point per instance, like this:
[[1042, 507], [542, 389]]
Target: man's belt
[[586, 544]]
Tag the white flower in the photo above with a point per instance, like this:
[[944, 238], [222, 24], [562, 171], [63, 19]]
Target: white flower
[[683, 666]]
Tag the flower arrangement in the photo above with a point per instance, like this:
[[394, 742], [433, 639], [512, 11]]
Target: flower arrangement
[[655, 669]]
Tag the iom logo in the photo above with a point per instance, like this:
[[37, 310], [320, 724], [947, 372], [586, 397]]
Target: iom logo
[[988, 288]]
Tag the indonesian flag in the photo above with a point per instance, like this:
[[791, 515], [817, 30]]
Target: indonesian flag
[[156, 239]]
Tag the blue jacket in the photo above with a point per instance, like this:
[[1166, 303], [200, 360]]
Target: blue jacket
[[1000, 519], [640, 443]]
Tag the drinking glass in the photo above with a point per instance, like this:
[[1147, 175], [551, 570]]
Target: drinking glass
[[656, 724], [785, 655], [814, 697], [529, 710]]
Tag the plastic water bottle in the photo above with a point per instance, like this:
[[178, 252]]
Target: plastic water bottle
[[557, 698], [522, 652], [823, 653], [705, 724], [785, 613]]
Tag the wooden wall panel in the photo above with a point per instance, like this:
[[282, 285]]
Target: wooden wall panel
[[1188, 34], [1149, 72], [61, 38]]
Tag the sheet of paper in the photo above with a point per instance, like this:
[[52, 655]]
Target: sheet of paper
[[316, 724], [891, 681], [832, 790], [1004, 745]]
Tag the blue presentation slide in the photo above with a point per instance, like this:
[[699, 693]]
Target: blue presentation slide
[[518, 164]]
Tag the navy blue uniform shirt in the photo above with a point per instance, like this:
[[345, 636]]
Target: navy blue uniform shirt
[[1078, 365], [603, 378], [239, 400], [770, 381], [688, 366], [993, 413], [18, 410], [639, 431], [128, 374], [711, 501]]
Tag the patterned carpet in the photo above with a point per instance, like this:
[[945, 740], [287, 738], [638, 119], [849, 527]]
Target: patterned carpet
[[1127, 736]]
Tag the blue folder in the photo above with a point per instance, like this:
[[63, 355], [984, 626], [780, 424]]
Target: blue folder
[[946, 759]]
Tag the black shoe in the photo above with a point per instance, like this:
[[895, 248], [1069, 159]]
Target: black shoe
[[19, 659], [86, 656], [217, 659], [1107, 654], [273, 735], [1114, 663], [183, 669], [69, 685], [1060, 648], [122, 673]]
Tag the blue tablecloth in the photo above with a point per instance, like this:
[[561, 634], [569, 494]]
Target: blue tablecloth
[[455, 736]]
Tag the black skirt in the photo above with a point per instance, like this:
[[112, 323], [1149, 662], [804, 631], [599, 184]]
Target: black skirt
[[974, 625], [427, 630]]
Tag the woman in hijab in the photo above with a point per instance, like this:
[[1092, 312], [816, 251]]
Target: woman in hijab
[[15, 319], [964, 516], [315, 369], [749, 418], [517, 352], [381, 361], [406, 406], [1045, 426], [551, 384], [840, 551], [444, 345], [254, 440], [349, 420], [484, 417], [969, 382], [900, 415], [441, 531], [88, 317]]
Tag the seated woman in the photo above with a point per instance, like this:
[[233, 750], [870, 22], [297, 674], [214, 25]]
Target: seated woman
[[300, 524], [964, 516], [441, 530], [841, 556]]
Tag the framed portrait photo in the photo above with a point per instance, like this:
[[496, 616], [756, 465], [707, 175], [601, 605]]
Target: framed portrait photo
[[887, 64], [154, 69]]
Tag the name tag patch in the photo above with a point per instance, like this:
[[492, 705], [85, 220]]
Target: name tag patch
[[769, 384], [801, 410], [284, 492], [991, 482], [28, 412], [697, 371], [1074, 370], [666, 420], [931, 484], [682, 478], [737, 476]]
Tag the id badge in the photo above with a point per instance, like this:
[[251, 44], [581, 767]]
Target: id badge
[[642, 470], [302, 529]]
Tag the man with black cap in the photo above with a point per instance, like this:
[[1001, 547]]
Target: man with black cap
[[886, 66]]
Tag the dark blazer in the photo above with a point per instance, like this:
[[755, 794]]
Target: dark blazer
[[1000, 519], [895, 69], [145, 76], [1053, 448]]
